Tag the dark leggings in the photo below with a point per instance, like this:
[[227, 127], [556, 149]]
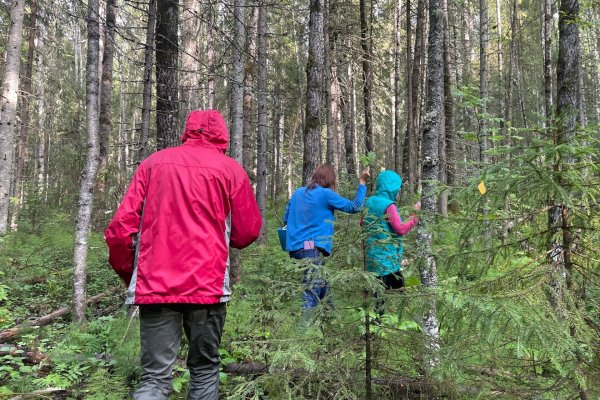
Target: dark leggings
[[394, 280]]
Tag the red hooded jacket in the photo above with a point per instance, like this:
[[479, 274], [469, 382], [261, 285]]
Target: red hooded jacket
[[169, 239]]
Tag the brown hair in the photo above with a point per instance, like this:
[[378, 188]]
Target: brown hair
[[323, 176]]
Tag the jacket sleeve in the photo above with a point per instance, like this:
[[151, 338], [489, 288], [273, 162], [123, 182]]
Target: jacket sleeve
[[125, 225], [245, 216], [399, 227], [337, 202]]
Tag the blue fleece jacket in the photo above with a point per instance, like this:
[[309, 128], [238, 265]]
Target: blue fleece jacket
[[309, 215]]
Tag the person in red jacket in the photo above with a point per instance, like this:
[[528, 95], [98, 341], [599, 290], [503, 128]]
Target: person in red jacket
[[169, 241]]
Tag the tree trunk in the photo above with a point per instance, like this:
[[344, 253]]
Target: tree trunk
[[106, 83], [189, 59], [263, 123], [210, 55], [548, 65], [568, 68], [332, 90], [348, 118], [483, 81], [147, 96], [448, 154], [25, 118], [314, 73], [249, 153], [8, 106], [86, 193], [398, 140], [237, 87], [431, 133], [366, 43], [167, 118]]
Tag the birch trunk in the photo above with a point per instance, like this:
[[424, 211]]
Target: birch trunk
[[8, 106], [86, 193], [261, 142], [167, 118], [147, 96], [314, 72], [237, 87], [431, 132], [25, 119]]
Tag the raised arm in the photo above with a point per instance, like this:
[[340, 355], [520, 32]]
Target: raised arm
[[399, 227]]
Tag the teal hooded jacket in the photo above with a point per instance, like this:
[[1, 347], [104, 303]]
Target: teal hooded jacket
[[384, 248]]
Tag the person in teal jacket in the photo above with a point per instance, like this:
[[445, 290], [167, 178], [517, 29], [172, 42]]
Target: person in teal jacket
[[385, 231]]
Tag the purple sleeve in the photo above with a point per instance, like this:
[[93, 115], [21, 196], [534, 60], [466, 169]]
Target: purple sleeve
[[399, 227]]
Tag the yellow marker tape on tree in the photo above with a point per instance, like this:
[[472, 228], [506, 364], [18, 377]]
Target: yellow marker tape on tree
[[482, 188]]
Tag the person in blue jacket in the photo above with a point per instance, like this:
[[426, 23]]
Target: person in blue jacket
[[309, 216]]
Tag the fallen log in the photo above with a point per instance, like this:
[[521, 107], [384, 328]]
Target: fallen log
[[46, 319], [43, 393], [29, 356]]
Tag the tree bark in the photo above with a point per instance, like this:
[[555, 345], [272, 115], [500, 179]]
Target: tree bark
[[210, 55], [249, 153], [263, 123], [147, 96], [23, 155], [483, 81], [8, 106], [431, 133], [398, 140], [568, 93], [448, 154], [332, 90], [366, 43], [167, 104], [548, 66], [189, 58], [106, 84], [314, 73], [86, 192], [237, 86], [348, 118]]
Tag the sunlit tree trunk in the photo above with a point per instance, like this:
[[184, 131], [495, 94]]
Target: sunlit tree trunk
[[8, 106], [263, 123], [86, 193], [314, 73], [332, 90], [237, 85], [251, 36], [147, 96], [431, 132], [23, 154], [167, 48]]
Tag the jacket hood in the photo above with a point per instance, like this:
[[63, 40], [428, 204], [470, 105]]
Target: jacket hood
[[206, 126], [388, 184]]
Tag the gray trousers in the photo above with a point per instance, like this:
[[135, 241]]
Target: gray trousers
[[160, 338]]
